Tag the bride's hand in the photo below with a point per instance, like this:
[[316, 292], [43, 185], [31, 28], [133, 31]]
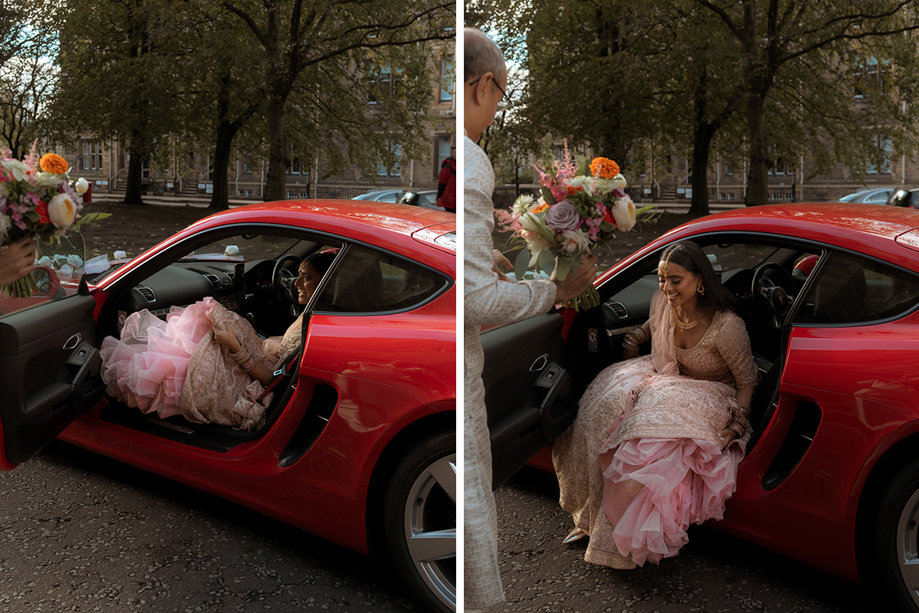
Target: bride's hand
[[227, 337], [726, 436]]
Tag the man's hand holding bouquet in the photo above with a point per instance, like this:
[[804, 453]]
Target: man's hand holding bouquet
[[582, 204], [37, 200]]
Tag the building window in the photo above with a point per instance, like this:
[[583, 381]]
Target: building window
[[92, 155], [443, 151], [447, 79], [395, 170], [779, 169], [382, 83], [296, 168], [727, 171], [884, 147]]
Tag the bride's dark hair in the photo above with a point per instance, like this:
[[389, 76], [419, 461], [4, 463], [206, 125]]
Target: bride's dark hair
[[691, 257], [320, 261]]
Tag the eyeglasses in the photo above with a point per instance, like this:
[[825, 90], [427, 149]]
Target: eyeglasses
[[504, 103]]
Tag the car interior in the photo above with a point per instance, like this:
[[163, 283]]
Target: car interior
[[251, 275]]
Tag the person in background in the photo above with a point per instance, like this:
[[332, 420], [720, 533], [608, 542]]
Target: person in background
[[446, 185], [488, 300]]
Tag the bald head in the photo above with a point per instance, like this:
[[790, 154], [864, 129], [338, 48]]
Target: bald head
[[481, 55]]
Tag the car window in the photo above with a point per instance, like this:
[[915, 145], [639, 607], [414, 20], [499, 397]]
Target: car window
[[725, 258], [58, 270], [242, 249], [851, 289], [390, 197], [369, 281], [878, 197]]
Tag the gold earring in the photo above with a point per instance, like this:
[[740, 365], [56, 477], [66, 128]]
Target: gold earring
[[701, 289]]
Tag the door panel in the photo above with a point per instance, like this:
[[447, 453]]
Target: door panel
[[527, 390], [49, 373]]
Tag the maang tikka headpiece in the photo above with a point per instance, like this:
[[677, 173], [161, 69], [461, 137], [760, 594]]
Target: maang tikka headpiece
[[665, 266]]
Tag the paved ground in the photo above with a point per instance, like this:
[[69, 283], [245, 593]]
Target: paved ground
[[79, 532], [714, 573]]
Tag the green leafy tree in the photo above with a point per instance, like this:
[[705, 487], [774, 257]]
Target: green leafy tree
[[119, 77], [302, 40], [793, 47]]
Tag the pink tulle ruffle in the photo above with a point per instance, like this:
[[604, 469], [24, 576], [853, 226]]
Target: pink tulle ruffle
[[685, 481], [148, 366]]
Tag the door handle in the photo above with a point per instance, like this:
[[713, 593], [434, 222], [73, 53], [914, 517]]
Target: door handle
[[73, 341], [539, 363]]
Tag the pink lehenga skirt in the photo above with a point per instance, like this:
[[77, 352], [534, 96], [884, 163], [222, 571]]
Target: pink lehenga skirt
[[642, 462], [147, 367]]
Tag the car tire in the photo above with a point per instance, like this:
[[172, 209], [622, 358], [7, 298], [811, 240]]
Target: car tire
[[419, 520], [896, 540]]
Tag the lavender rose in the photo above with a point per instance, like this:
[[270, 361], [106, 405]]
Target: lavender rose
[[562, 217]]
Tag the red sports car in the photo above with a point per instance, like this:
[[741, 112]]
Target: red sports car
[[359, 444], [829, 294]]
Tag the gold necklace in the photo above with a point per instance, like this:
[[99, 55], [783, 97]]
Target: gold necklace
[[691, 324]]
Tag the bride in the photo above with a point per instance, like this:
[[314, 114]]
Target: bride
[[204, 362], [658, 438]]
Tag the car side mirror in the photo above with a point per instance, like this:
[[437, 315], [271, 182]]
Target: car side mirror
[[900, 197]]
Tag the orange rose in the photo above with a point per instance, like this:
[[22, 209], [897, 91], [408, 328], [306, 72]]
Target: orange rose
[[53, 163], [604, 168]]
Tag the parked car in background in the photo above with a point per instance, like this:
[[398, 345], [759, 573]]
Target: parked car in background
[[424, 198], [871, 196], [358, 444], [381, 195], [829, 294], [905, 198]]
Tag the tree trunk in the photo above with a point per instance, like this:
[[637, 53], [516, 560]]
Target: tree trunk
[[760, 160], [133, 190], [278, 152], [220, 199], [701, 149]]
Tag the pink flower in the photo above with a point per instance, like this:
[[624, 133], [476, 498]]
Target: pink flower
[[560, 192]]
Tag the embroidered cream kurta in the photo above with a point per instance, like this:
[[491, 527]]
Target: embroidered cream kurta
[[487, 301]]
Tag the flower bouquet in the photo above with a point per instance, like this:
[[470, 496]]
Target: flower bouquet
[[582, 204], [38, 200]]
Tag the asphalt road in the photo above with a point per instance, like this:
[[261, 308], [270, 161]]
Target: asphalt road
[[79, 532], [712, 573]]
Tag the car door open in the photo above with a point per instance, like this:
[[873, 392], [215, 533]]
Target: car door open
[[49, 373]]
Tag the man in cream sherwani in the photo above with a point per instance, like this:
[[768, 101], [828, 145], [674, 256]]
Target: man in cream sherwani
[[488, 301]]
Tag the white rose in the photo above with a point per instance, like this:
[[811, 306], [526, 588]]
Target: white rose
[[62, 211], [82, 185], [620, 181], [75, 261], [624, 214], [120, 255], [47, 179], [231, 250], [45, 261]]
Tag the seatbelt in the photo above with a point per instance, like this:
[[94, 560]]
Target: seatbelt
[[279, 374]]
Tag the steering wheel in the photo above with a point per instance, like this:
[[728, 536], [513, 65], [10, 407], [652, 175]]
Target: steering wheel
[[771, 293], [282, 285]]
